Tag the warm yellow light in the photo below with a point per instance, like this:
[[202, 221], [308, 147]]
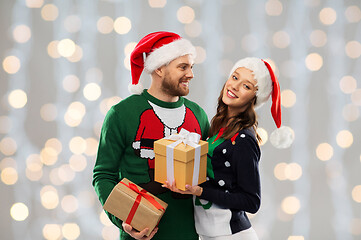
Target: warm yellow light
[[281, 39], [324, 151], [49, 12], [318, 38], [48, 112], [107, 103], [355, 228], [314, 61], [356, 193], [5, 124], [71, 231], [66, 174], [127, 62], [295, 238], [52, 231], [194, 29], [353, 14], [348, 84], [263, 134], [49, 156], [353, 49], [8, 146], [9, 176], [33, 175], [77, 55], [72, 23], [201, 55], [55, 178], [328, 16], [105, 25], [110, 232], [8, 162], [122, 25], [157, 3], [97, 128], [344, 139], [69, 203], [356, 97], [71, 83], [53, 49], [77, 163], [49, 197], [34, 167], [21, 33], [77, 145], [33, 162], [66, 47], [274, 8], [11, 64], [74, 114], [291, 205], [19, 211], [350, 112], [280, 171], [34, 3], [55, 144], [293, 171], [92, 91], [129, 48], [91, 146], [185, 14], [104, 219], [17, 98], [288, 98]]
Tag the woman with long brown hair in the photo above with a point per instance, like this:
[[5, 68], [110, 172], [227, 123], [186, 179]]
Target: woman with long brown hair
[[233, 184]]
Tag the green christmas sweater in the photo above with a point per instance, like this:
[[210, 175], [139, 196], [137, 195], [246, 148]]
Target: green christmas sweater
[[126, 151]]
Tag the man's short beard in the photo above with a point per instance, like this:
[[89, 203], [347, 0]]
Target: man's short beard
[[170, 88]]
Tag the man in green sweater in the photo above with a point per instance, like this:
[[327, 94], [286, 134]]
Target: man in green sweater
[[131, 127]]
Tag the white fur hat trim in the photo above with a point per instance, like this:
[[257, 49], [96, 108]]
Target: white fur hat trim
[[261, 75], [167, 53]]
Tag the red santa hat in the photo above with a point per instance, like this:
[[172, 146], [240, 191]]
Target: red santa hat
[[268, 85], [155, 50]]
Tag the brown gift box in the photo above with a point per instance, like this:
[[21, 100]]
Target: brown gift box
[[121, 200], [183, 163]]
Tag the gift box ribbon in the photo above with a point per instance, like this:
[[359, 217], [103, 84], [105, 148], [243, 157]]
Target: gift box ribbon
[[188, 138], [141, 193]]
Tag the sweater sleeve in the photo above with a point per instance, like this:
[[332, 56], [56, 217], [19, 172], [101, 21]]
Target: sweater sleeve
[[246, 196], [205, 126], [110, 150]]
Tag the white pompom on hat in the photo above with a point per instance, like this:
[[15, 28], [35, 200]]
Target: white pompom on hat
[[155, 50], [268, 85]]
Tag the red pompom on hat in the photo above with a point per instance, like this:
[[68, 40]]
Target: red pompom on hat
[[158, 49]]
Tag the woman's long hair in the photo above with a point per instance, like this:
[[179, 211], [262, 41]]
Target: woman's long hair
[[243, 120]]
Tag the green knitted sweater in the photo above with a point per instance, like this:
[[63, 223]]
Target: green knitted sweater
[[126, 150]]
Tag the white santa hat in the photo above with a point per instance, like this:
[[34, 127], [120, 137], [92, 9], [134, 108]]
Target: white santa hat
[[158, 49], [268, 85]]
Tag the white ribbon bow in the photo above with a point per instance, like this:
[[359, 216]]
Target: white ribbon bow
[[188, 138]]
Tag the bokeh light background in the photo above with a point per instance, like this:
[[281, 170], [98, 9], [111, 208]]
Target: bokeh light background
[[65, 63]]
